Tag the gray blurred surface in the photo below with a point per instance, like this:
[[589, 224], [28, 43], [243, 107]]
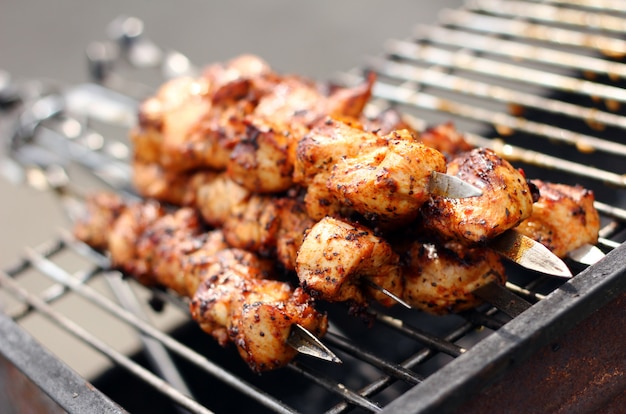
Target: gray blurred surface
[[47, 39]]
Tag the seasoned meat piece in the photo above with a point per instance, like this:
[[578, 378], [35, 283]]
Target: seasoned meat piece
[[163, 243], [232, 299], [195, 122], [505, 202], [336, 255], [441, 278], [151, 180], [101, 212], [294, 222], [390, 183], [328, 143], [563, 219], [124, 234], [257, 315], [263, 160], [446, 139], [216, 199], [171, 111], [253, 225]]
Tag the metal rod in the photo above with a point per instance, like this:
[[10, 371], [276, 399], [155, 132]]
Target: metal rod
[[335, 387], [392, 369], [429, 340], [612, 46]]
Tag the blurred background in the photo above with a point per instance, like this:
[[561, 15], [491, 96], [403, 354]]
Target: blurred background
[[47, 39]]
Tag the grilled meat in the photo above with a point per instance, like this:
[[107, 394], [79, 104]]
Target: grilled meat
[[440, 278], [231, 296], [346, 168], [255, 314], [192, 122], [337, 256], [388, 184], [446, 139], [239, 116], [152, 181], [101, 212], [506, 201], [563, 218]]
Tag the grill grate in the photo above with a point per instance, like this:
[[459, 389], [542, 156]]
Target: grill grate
[[538, 82]]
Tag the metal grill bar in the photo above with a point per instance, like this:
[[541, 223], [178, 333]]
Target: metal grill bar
[[604, 5], [582, 141], [555, 15], [519, 51], [610, 46]]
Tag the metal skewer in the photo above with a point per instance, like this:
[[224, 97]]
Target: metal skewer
[[386, 292]]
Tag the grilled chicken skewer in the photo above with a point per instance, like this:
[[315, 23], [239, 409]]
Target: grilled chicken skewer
[[231, 296], [338, 258], [563, 219], [247, 119], [240, 116], [574, 238]]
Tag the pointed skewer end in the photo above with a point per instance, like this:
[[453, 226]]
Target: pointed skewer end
[[305, 342]]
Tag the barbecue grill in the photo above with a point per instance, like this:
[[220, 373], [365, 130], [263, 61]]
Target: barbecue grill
[[539, 82]]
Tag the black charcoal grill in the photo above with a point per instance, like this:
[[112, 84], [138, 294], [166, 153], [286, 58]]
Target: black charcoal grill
[[542, 83]]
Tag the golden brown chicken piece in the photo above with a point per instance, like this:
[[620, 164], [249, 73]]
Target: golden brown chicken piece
[[563, 219], [328, 143], [263, 159], [253, 225], [101, 212], [123, 237], [294, 222], [217, 198], [446, 139], [151, 180], [383, 177], [442, 278], [167, 242], [195, 122], [388, 184], [505, 202], [337, 258], [257, 315]]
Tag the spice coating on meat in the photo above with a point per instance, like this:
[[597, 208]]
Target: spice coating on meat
[[101, 212], [152, 181], [563, 219], [442, 278], [505, 202], [390, 183], [334, 257]]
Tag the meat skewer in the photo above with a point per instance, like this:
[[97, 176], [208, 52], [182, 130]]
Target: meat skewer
[[338, 258], [249, 120], [563, 218], [232, 297], [556, 202]]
